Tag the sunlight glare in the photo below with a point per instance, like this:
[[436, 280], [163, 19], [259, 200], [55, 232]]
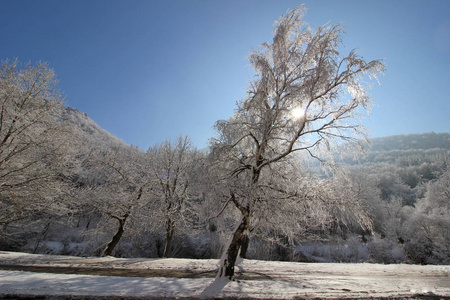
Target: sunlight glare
[[297, 113]]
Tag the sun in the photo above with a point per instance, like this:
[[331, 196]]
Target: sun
[[297, 113]]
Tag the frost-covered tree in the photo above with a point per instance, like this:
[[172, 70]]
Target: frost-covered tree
[[429, 239], [306, 96], [363, 187], [173, 167], [34, 146], [121, 196]]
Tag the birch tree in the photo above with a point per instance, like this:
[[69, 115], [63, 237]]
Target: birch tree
[[306, 95]]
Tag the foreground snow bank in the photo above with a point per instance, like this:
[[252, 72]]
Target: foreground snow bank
[[260, 279]]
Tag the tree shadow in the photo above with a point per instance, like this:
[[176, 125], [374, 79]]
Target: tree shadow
[[215, 287]]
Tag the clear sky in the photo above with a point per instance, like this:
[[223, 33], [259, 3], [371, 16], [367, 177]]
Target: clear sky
[[148, 70]]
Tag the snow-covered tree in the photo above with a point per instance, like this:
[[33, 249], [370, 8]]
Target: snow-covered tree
[[429, 239], [173, 167], [34, 144], [122, 195], [306, 95]]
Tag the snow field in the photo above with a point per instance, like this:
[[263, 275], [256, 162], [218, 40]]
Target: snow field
[[256, 279]]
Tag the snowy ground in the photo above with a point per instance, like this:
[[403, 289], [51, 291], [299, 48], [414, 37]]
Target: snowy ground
[[255, 279]]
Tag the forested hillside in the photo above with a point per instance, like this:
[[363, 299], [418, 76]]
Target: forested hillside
[[412, 142]]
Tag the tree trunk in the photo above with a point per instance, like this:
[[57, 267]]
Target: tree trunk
[[116, 238], [243, 253], [169, 238], [238, 245]]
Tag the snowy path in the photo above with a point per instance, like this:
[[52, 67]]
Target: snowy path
[[257, 279]]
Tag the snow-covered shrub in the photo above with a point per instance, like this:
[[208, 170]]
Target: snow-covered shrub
[[200, 245], [52, 247], [76, 249], [351, 250], [273, 250], [385, 251]]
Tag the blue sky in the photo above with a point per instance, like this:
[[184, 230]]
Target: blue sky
[[147, 71]]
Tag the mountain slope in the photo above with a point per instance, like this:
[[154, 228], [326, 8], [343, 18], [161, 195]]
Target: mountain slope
[[422, 141], [89, 127]]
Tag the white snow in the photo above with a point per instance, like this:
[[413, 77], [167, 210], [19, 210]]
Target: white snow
[[276, 280]]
